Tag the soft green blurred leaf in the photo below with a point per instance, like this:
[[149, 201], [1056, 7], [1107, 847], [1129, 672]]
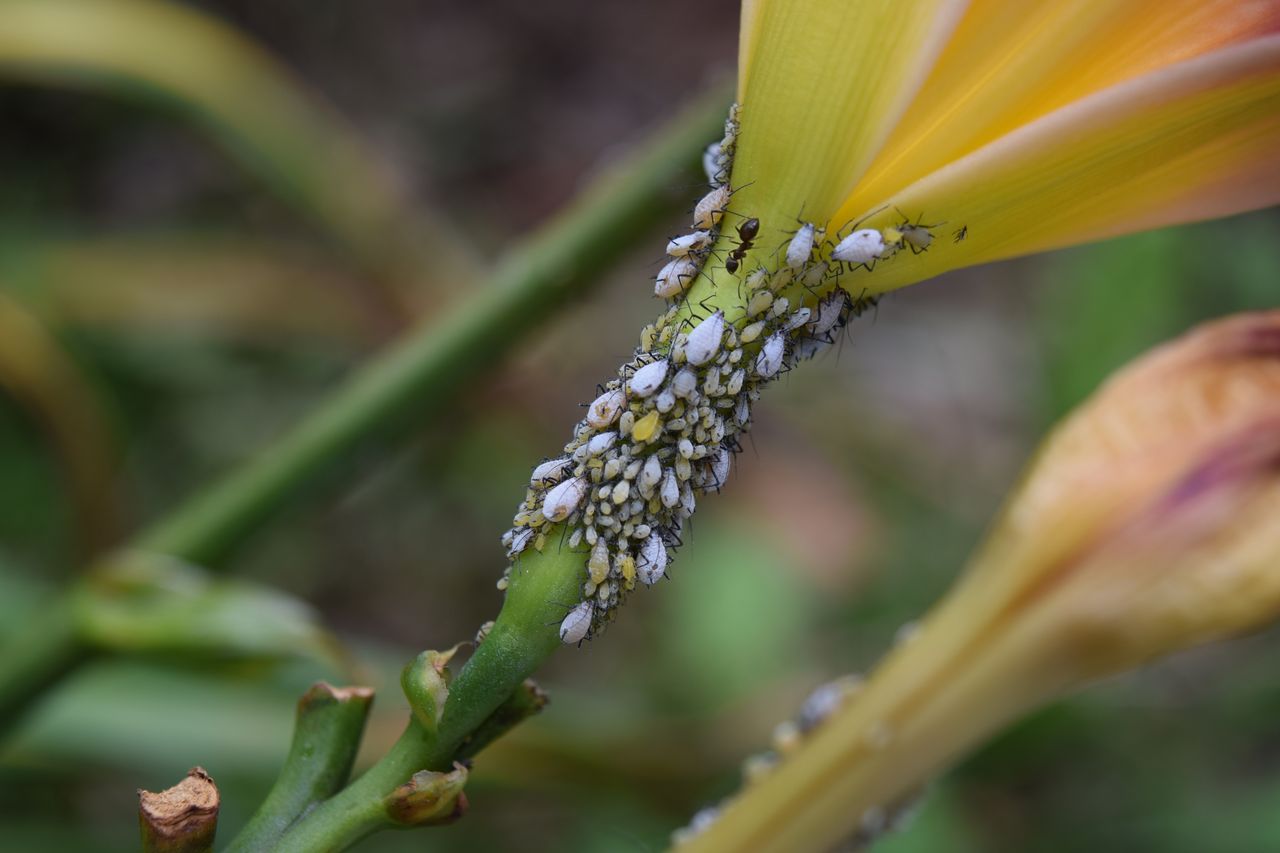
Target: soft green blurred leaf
[[157, 605]]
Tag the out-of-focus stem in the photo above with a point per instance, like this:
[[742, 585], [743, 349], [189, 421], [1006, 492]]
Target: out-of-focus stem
[[325, 740]]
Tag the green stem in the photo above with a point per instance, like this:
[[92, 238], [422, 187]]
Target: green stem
[[523, 636], [325, 740], [417, 376]]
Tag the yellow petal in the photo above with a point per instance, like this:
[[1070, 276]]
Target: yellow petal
[[1191, 140], [1011, 62], [822, 84]]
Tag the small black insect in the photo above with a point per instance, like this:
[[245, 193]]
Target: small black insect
[[960, 234], [747, 232]]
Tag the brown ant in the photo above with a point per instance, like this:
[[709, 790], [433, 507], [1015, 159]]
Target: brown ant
[[747, 232]]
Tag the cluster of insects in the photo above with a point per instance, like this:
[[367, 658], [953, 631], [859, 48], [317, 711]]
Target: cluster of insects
[[665, 430]]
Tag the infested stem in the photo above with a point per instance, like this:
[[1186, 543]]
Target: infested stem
[[414, 378]]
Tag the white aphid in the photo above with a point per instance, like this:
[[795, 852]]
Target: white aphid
[[562, 500], [801, 246], [652, 564], [710, 208], [649, 378], [675, 277], [685, 383], [550, 472], [577, 624], [665, 401], [918, 236], [797, 319], [670, 494], [742, 411], [829, 311], [769, 361], [651, 474], [720, 461], [520, 541], [600, 443], [687, 502], [860, 247], [704, 340], [605, 409], [687, 244], [711, 163]]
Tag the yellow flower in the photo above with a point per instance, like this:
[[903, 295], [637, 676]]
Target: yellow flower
[[1010, 126], [1147, 524]]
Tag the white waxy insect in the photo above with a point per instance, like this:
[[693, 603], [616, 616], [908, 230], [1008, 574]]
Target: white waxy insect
[[797, 319], [687, 244], [720, 461], [687, 502], [860, 247], [665, 401], [670, 494], [605, 409], [704, 340], [675, 277], [734, 385], [918, 236], [600, 443], [801, 246], [685, 383], [562, 500], [520, 541], [649, 378], [711, 162], [577, 624], [550, 472], [769, 361], [710, 208], [742, 411], [829, 311], [652, 564], [651, 474]]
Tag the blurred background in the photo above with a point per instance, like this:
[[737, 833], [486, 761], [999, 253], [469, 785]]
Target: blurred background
[[187, 269]]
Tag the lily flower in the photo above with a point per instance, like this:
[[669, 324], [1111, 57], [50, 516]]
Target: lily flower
[[998, 127], [1145, 525]]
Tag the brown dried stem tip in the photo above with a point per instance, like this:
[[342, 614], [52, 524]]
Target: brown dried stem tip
[[181, 819]]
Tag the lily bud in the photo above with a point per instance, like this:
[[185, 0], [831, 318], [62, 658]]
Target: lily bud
[[1146, 524]]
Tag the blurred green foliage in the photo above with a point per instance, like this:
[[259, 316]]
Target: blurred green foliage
[[873, 473]]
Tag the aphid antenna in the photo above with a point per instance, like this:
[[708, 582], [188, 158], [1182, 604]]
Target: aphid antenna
[[853, 226]]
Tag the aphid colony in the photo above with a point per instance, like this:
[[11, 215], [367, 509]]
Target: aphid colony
[[663, 433], [689, 252]]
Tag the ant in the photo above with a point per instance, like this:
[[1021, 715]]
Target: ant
[[747, 232]]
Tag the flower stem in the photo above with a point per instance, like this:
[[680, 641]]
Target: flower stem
[[416, 377], [325, 739], [522, 637]]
